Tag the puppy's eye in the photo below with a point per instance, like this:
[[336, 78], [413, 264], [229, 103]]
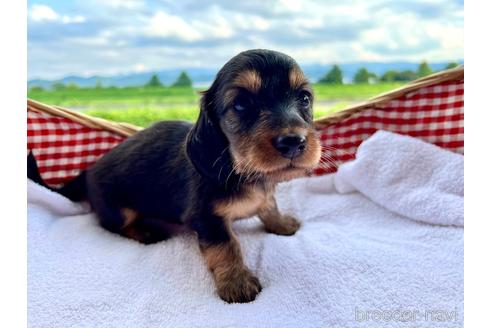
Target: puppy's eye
[[239, 106], [304, 100], [241, 103]]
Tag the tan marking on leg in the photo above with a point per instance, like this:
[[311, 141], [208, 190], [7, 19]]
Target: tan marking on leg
[[235, 283], [128, 230], [133, 233], [129, 215], [250, 80], [275, 222]]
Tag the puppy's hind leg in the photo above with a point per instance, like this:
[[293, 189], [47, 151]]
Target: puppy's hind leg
[[127, 223], [147, 231], [113, 218]]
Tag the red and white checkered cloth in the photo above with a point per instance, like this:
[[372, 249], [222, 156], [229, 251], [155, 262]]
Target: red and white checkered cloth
[[434, 114], [63, 148]]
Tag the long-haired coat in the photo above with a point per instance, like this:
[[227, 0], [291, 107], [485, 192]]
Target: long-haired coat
[[255, 129]]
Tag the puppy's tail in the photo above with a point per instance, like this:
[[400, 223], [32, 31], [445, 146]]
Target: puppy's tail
[[75, 190]]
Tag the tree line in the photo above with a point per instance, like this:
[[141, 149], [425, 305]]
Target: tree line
[[363, 76], [334, 76], [183, 80]]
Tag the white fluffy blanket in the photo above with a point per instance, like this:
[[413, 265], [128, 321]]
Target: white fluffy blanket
[[381, 245]]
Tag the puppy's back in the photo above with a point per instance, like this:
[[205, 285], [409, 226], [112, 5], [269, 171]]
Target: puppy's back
[[147, 172]]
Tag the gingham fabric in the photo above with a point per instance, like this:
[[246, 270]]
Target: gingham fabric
[[434, 114], [63, 148]]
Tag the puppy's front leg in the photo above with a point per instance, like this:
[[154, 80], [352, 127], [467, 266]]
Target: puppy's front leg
[[235, 282], [274, 221]]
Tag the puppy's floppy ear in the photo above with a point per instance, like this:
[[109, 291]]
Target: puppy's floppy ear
[[207, 146]]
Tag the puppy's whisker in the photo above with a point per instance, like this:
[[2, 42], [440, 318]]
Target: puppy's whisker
[[228, 177], [220, 171], [334, 149], [243, 167], [328, 157], [239, 171], [249, 168], [221, 154], [329, 163], [326, 154], [250, 172], [328, 160]]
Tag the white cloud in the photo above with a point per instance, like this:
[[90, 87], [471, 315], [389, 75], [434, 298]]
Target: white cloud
[[74, 19], [40, 13], [260, 23], [127, 4], [140, 68], [403, 36], [165, 25], [43, 13], [214, 24], [126, 35], [289, 5], [210, 25]]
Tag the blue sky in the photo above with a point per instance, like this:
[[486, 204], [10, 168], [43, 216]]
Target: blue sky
[[107, 37]]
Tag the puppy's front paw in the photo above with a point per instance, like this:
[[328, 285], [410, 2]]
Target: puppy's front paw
[[241, 287], [286, 226]]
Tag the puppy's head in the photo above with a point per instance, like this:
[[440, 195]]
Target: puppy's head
[[258, 116]]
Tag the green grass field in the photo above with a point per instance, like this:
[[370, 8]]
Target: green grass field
[[142, 106]]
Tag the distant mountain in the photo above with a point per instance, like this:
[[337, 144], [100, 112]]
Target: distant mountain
[[202, 77]]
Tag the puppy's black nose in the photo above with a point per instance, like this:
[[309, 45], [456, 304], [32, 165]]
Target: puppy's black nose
[[290, 145]]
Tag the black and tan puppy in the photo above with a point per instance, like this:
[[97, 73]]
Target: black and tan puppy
[[254, 130]]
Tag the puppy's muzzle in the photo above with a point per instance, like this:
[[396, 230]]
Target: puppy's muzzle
[[290, 145]]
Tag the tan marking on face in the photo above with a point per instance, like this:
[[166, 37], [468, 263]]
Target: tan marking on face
[[250, 80], [312, 152], [229, 97], [256, 152], [243, 206], [297, 79], [129, 216], [253, 152]]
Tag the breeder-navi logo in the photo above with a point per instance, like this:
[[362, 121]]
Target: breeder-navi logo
[[405, 315]]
